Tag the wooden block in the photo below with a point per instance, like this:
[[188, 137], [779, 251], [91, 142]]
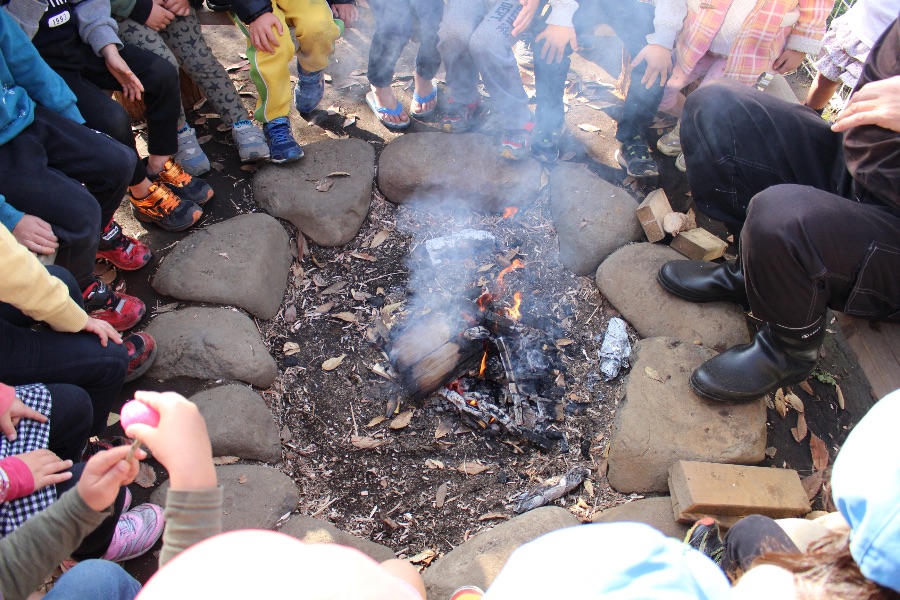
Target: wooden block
[[651, 213], [699, 244], [877, 347], [699, 488]]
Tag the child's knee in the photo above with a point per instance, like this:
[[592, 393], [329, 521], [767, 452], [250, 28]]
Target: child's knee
[[485, 42]]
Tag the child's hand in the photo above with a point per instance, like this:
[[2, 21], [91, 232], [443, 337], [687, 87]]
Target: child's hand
[[104, 474], [35, 234], [659, 64], [46, 467], [159, 17], [261, 35], [179, 7], [875, 103], [348, 13], [556, 38], [529, 9], [103, 330], [18, 410], [788, 61], [131, 85], [180, 441]]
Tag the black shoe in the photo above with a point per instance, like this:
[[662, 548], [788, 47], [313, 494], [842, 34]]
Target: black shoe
[[705, 537], [704, 281], [634, 157], [776, 357], [545, 145]]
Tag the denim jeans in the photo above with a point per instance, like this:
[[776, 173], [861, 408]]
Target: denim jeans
[[94, 579], [393, 30]]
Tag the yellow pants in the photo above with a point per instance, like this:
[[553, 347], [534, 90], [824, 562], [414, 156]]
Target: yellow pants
[[315, 30]]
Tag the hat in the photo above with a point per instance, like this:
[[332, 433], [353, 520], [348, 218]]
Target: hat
[[865, 485]]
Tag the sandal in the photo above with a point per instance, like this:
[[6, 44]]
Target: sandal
[[378, 111], [425, 114]]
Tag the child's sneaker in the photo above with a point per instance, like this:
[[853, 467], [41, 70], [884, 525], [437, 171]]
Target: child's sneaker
[[670, 144], [164, 208], [545, 145], [136, 532], [459, 117], [250, 141], [525, 56], [190, 156], [124, 252], [680, 164], [309, 89], [141, 354], [119, 310], [283, 148], [634, 157], [704, 536], [515, 144], [174, 177]]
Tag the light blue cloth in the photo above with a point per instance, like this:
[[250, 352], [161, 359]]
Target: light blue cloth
[[865, 484], [94, 580]]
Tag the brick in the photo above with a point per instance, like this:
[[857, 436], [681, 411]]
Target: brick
[[699, 244], [651, 213], [700, 488]]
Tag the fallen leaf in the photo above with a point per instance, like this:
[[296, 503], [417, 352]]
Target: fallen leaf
[[799, 432], [440, 496], [401, 420], [319, 280], [564, 342], [105, 273], [237, 65], [812, 484], [589, 487], [653, 374], [219, 167], [492, 516], [146, 476], [432, 463], [242, 479], [365, 442], [349, 317], [290, 314], [840, 396], [794, 401], [380, 238], [472, 468], [323, 185], [425, 556], [443, 428], [363, 256], [588, 127], [290, 348], [771, 451], [780, 403], [819, 452], [332, 363], [250, 168], [203, 139], [334, 288], [376, 420], [322, 309], [806, 388], [359, 296], [225, 460]]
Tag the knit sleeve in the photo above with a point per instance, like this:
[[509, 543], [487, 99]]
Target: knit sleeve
[[191, 517], [668, 21]]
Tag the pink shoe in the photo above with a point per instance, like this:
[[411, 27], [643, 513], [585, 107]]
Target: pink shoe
[[136, 532]]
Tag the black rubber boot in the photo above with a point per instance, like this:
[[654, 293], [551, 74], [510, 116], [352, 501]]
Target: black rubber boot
[[704, 281], [776, 357]]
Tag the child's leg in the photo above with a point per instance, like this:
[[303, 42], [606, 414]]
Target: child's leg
[[820, 92], [393, 28], [94, 579], [550, 86], [270, 72], [403, 570], [70, 421], [316, 32], [428, 60], [96, 542], [461, 18]]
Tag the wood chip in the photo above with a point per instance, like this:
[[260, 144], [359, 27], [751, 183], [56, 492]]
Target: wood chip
[[472, 468], [338, 174], [366, 442], [333, 363], [290, 348], [493, 516], [440, 496], [401, 420], [840, 396], [225, 460], [588, 127], [564, 342]]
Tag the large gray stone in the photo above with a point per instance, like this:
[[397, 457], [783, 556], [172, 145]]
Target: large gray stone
[[593, 218], [255, 496], [210, 343], [330, 218], [460, 169], [479, 560], [662, 421], [239, 423], [316, 531], [655, 512], [628, 280], [244, 261]]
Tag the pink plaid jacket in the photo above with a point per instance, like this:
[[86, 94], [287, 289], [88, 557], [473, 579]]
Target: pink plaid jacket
[[762, 37]]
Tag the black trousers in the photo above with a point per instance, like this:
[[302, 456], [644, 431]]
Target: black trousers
[[393, 30], [44, 168], [162, 99], [750, 538], [773, 172]]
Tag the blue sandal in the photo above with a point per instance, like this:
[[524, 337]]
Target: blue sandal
[[416, 98], [380, 110]]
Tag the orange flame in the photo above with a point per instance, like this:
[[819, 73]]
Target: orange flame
[[516, 264], [510, 211], [483, 367], [484, 300], [513, 312]]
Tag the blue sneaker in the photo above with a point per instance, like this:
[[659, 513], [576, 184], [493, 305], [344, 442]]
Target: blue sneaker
[[309, 89], [283, 147]]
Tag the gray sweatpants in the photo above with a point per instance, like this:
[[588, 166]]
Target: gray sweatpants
[[475, 37], [182, 44]]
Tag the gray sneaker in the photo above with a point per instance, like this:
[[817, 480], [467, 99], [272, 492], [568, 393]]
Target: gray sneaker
[[250, 141], [190, 156], [670, 144]]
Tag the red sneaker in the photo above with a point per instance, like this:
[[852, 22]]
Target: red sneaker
[[124, 252], [119, 310], [141, 354]]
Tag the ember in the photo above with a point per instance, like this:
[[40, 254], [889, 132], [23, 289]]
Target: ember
[[510, 211]]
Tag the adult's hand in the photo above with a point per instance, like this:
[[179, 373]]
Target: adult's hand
[[261, 35], [529, 9], [659, 64], [35, 234], [103, 330], [46, 467], [556, 38], [132, 87], [788, 61], [18, 410], [348, 13], [876, 103]]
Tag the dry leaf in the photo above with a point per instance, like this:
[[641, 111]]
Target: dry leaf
[[440, 496], [334, 288], [332, 363], [589, 487], [564, 342], [203, 139], [840, 396], [443, 428], [376, 420], [806, 388], [819, 452], [321, 309], [250, 168], [401, 420], [780, 403], [349, 317], [323, 185], [359, 296], [290, 314], [380, 238], [242, 479], [492, 516], [290, 348], [225, 460], [112, 419], [319, 280], [771, 451], [146, 476], [472, 468], [363, 256], [812, 484], [653, 374], [423, 557], [434, 464], [794, 401], [366, 442], [588, 127], [338, 174], [799, 432]]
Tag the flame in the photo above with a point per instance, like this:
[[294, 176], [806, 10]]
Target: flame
[[516, 264], [513, 312], [484, 300], [510, 211], [483, 366]]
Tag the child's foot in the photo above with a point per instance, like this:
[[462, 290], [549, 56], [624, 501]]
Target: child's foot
[[119, 310], [670, 144], [192, 189], [424, 102], [545, 145], [190, 156], [126, 253], [459, 117], [136, 532], [309, 89], [141, 354], [515, 144], [163, 207], [524, 55], [250, 141], [392, 118], [283, 148], [634, 157]]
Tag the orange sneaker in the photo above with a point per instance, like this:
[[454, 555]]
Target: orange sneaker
[[185, 187], [165, 209]]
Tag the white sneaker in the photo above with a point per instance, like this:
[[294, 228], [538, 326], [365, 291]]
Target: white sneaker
[[670, 144], [190, 156], [250, 141]]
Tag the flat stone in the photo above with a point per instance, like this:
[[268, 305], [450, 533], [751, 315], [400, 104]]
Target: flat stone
[[593, 218], [628, 280], [255, 496], [461, 169], [210, 343], [244, 261], [662, 421], [239, 423], [655, 512], [317, 531], [330, 218], [479, 560]]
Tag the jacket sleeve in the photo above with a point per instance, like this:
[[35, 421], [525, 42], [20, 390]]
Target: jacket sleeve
[[191, 517], [95, 24], [249, 10], [27, 13], [9, 215], [668, 20], [806, 35], [136, 10]]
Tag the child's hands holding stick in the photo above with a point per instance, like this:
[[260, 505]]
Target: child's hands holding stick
[[104, 474]]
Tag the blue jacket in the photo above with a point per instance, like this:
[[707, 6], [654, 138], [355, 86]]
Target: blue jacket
[[25, 79]]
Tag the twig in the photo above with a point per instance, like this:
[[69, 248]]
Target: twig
[[353, 416], [388, 275], [330, 502]]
